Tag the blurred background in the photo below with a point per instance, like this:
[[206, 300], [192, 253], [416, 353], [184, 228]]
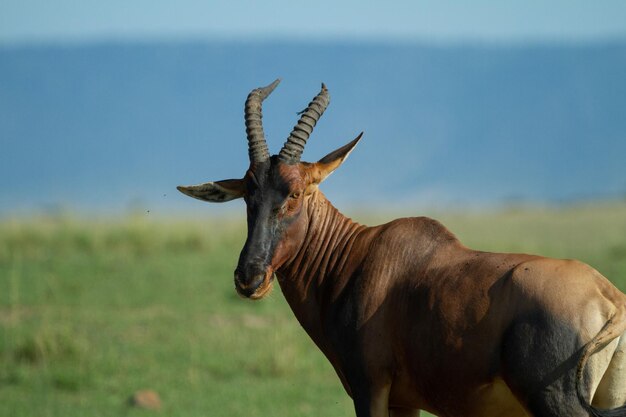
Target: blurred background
[[505, 120]]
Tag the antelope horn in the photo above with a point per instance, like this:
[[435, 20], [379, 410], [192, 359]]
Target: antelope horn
[[292, 149], [257, 147]]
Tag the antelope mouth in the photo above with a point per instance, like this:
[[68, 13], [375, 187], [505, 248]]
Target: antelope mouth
[[262, 290]]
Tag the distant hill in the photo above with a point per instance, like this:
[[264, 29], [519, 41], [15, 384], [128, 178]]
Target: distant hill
[[110, 125]]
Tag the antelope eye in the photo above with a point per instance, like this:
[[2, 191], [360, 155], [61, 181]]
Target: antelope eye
[[295, 195]]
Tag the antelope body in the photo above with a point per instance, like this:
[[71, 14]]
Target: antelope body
[[408, 316]]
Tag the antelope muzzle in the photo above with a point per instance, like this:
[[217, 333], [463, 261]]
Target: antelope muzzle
[[253, 281]]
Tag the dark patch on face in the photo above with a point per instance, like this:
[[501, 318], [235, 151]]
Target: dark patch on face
[[268, 187]]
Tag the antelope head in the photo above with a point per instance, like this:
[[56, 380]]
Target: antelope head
[[278, 191]]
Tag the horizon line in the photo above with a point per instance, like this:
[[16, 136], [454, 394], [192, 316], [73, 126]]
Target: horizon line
[[470, 41]]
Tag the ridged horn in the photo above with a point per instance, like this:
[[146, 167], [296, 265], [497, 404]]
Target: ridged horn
[[294, 146], [257, 147]]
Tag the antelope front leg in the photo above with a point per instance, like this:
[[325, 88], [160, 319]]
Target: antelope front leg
[[370, 402]]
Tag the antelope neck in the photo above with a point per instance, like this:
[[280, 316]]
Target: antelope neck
[[323, 256]]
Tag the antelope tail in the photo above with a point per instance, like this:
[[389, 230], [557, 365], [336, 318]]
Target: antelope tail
[[613, 328]]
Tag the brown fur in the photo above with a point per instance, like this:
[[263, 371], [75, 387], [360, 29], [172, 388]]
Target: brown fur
[[422, 317]]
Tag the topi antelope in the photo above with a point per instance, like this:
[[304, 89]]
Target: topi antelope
[[408, 316]]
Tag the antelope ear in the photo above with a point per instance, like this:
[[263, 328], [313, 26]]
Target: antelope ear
[[215, 192], [328, 164]]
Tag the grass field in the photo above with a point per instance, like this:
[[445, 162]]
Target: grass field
[[92, 312]]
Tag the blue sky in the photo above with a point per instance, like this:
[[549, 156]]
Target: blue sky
[[434, 20]]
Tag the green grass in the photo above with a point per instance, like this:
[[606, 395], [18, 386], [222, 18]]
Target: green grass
[[92, 312]]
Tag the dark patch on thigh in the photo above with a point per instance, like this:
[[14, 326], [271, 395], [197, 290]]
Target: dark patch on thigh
[[539, 360]]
